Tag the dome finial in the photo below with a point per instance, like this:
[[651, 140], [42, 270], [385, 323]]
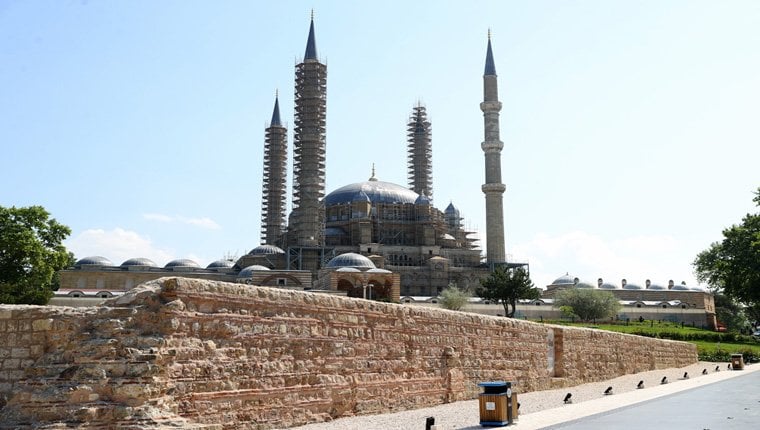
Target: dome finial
[[373, 178], [489, 33]]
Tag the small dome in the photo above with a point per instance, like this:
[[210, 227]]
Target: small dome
[[700, 289], [351, 259], [566, 279], [447, 236], [181, 262], [221, 264], [248, 271], [451, 210], [584, 284], [422, 200], [348, 270], [138, 262], [384, 271], [680, 287], [95, 260], [658, 287], [266, 250], [609, 286], [632, 286]]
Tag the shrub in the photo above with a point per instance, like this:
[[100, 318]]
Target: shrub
[[453, 298]]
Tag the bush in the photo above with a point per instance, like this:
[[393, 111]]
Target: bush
[[453, 298], [587, 304], [721, 354]]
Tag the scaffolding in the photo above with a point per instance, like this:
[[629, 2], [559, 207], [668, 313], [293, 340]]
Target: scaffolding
[[273, 196], [420, 153], [309, 147]]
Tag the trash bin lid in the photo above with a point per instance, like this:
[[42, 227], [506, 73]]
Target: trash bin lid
[[491, 384]]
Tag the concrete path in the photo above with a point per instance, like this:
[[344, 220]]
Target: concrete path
[[718, 395], [727, 404], [723, 400]]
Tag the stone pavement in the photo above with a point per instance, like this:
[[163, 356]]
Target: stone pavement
[[723, 400]]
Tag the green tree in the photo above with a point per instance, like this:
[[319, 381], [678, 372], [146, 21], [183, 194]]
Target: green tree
[[730, 313], [453, 298], [31, 251], [732, 266], [507, 286], [587, 304]]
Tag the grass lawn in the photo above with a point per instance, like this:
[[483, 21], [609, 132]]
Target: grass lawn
[[730, 348], [711, 346]]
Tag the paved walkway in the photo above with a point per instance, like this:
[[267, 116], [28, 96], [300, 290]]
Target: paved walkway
[[728, 404], [723, 400], [705, 402]]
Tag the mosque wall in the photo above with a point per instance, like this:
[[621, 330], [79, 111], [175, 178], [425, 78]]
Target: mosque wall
[[189, 352]]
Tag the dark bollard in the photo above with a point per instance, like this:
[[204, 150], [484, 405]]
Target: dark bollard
[[429, 423]]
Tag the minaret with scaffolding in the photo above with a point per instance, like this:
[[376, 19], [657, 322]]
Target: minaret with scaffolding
[[492, 146], [420, 153], [307, 223], [273, 196]]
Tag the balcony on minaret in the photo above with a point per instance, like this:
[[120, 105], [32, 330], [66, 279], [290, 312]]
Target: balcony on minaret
[[492, 105], [493, 188], [492, 146]]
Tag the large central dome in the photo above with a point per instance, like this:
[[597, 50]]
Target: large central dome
[[375, 191]]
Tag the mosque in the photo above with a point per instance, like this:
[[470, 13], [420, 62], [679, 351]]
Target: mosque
[[371, 239]]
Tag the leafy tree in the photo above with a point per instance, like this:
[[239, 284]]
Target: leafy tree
[[730, 313], [587, 304], [453, 298], [31, 251], [508, 285], [732, 266]]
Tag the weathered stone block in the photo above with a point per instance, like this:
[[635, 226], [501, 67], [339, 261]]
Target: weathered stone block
[[20, 353]]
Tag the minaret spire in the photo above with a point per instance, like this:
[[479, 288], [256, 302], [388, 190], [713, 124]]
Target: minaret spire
[[276, 112], [273, 197], [307, 224], [492, 146], [490, 66], [420, 150], [311, 43]]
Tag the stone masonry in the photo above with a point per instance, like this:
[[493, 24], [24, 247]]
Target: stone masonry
[[192, 353]]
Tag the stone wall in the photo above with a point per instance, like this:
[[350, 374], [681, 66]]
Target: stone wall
[[192, 353]]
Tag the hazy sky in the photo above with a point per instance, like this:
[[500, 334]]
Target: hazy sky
[[631, 128]]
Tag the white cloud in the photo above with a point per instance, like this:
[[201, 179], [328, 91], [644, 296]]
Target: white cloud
[[117, 245], [202, 222], [589, 257]]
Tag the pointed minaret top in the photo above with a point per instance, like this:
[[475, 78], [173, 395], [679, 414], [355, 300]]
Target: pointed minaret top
[[490, 66], [276, 113], [311, 44]]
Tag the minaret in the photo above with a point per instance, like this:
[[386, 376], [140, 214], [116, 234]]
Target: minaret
[[420, 159], [273, 198], [307, 223], [492, 146]]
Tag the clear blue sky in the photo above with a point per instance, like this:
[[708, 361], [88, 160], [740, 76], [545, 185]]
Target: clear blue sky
[[631, 128]]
